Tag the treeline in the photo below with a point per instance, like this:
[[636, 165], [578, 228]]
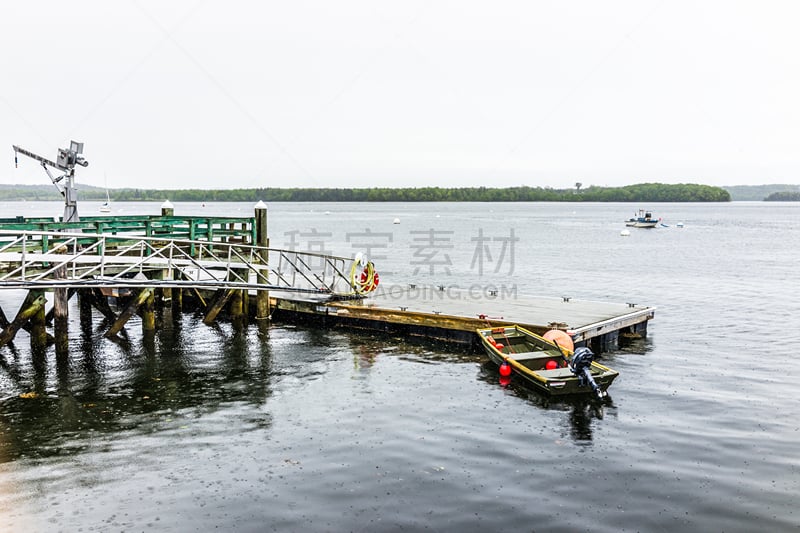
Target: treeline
[[40, 192], [644, 192], [758, 192], [785, 196]]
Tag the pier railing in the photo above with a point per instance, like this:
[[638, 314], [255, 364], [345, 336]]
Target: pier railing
[[49, 259], [218, 229]]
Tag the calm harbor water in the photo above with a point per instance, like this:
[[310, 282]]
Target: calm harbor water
[[303, 429]]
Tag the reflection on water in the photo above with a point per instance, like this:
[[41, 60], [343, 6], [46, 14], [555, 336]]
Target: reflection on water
[[186, 368], [582, 411], [129, 385]]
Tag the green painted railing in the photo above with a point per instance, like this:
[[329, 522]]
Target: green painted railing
[[212, 229]]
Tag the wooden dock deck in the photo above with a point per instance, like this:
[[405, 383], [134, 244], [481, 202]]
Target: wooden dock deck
[[451, 314]]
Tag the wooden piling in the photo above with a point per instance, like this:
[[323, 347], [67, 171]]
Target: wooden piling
[[32, 306], [148, 312], [262, 241], [177, 302], [239, 306], [86, 318], [236, 309], [51, 313], [61, 313], [246, 305], [167, 209], [38, 323]]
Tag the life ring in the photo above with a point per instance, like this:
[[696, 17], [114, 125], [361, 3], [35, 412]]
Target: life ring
[[366, 280], [369, 279]]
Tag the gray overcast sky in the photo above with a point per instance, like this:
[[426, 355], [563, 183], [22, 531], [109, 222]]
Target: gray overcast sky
[[359, 93]]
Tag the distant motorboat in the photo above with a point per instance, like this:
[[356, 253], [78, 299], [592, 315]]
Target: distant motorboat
[[644, 219]]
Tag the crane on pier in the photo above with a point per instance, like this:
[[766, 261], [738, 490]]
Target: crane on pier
[[66, 161]]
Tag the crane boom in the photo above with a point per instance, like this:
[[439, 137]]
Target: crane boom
[[42, 160]]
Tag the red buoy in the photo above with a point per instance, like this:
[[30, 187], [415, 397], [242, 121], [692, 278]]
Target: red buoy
[[505, 369], [551, 365]]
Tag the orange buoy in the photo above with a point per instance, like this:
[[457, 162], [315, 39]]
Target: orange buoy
[[561, 337]]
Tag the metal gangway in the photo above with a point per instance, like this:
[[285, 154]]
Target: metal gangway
[[47, 260]]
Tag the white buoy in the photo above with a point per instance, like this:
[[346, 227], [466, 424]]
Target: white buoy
[[625, 233], [396, 221]]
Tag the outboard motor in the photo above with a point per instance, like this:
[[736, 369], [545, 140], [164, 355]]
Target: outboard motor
[[580, 364]]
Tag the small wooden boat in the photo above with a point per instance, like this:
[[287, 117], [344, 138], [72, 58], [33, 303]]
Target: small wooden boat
[[545, 364], [643, 220]]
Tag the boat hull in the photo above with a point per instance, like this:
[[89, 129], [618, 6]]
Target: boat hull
[[643, 224], [531, 364]]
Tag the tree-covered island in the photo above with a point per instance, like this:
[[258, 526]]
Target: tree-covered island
[[644, 192]]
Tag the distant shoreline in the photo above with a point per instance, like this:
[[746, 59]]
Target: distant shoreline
[[640, 193]]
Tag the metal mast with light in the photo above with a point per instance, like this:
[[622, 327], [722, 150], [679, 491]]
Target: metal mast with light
[[66, 161]]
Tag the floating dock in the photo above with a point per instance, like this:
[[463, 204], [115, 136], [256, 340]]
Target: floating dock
[[452, 314]]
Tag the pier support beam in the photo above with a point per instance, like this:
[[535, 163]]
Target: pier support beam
[[100, 301], [126, 315], [38, 323], [222, 297], [61, 314], [262, 241], [3, 319], [32, 306], [238, 306], [85, 308], [51, 313], [236, 309], [177, 302], [149, 312]]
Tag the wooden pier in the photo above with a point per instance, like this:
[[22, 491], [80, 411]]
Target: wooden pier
[[224, 267]]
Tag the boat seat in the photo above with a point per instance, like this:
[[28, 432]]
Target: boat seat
[[557, 373], [526, 356]]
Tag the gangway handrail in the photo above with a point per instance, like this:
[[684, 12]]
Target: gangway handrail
[[224, 263]]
